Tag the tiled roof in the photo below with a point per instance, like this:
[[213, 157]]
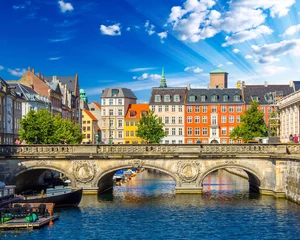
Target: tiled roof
[[138, 108], [121, 93], [181, 91], [90, 115], [209, 92], [68, 80], [261, 90], [97, 104]]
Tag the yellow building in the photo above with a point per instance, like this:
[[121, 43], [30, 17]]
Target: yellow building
[[89, 128], [134, 113]]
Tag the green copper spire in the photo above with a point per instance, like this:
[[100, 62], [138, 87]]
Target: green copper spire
[[163, 83]]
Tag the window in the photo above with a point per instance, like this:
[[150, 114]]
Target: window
[[223, 119], [173, 131], [236, 98], [255, 98], [132, 113], [131, 123], [103, 102], [167, 131], [190, 131], [173, 141], [192, 98], [204, 109], [120, 101], [204, 131], [173, 108], [225, 98], [111, 101], [160, 108], [167, 98], [120, 112], [202, 98], [166, 108], [166, 120], [214, 120], [84, 129], [231, 109], [120, 123], [111, 112], [157, 98], [114, 92], [214, 98], [153, 108], [92, 109], [189, 119], [173, 120], [231, 141], [224, 131], [120, 134], [180, 141], [214, 132], [190, 141], [131, 133], [111, 122], [88, 128], [189, 109], [127, 133], [88, 135], [224, 141], [269, 109], [204, 119], [167, 142], [179, 119], [223, 109], [136, 123], [231, 119], [197, 119], [127, 124], [239, 141], [180, 131], [239, 108], [238, 119], [179, 108], [214, 109], [104, 112], [88, 122], [176, 98], [103, 123], [197, 109], [84, 122], [197, 131]]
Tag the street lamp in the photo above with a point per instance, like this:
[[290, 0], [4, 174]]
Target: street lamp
[[97, 139]]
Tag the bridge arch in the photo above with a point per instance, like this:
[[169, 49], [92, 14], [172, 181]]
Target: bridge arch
[[255, 178]]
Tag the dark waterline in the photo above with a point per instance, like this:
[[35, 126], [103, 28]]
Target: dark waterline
[[147, 208]]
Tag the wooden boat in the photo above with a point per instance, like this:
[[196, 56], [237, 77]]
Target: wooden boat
[[7, 195], [60, 196]]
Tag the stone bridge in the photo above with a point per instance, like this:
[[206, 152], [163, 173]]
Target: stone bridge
[[269, 166]]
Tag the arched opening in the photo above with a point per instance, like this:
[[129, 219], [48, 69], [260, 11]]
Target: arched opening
[[230, 180], [214, 142], [36, 180], [135, 181]]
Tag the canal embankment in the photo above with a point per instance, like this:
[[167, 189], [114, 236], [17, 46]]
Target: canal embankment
[[292, 180]]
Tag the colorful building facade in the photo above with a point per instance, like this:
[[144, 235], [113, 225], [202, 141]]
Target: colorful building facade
[[89, 128], [134, 114]]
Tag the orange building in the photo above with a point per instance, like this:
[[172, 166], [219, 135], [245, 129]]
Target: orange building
[[133, 115]]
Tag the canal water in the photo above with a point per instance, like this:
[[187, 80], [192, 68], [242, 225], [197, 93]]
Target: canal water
[[147, 208]]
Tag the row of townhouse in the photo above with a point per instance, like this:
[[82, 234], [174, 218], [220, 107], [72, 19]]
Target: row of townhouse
[[34, 91]]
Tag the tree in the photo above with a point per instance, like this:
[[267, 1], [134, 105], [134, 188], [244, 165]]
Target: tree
[[252, 124], [40, 127], [150, 128], [66, 130]]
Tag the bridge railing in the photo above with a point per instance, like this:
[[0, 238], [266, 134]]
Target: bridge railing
[[149, 149]]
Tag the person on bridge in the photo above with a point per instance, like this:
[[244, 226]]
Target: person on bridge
[[296, 139]]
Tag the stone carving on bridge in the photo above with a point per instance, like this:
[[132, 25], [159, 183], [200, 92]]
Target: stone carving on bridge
[[42, 163], [84, 171], [188, 171], [137, 163]]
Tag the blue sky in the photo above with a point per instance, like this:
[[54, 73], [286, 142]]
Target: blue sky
[[125, 43]]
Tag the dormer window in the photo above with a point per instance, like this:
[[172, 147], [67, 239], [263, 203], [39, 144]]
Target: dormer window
[[167, 98], [192, 98], [132, 113], [157, 98], [203, 98], [214, 98], [236, 98], [254, 98], [225, 98], [114, 92], [176, 98]]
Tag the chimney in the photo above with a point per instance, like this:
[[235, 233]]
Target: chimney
[[39, 75], [243, 90], [42, 77], [33, 70], [102, 91], [189, 86], [266, 84]]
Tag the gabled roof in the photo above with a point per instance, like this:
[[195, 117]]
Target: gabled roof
[[260, 91], [90, 115], [208, 92], [181, 91], [65, 80], [97, 105], [138, 108], [122, 93]]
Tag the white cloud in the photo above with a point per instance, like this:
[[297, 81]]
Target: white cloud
[[193, 69], [229, 63], [268, 60], [236, 50], [146, 76], [141, 69], [65, 7], [128, 29], [54, 58], [18, 72], [292, 30], [220, 65], [162, 36], [113, 30], [1, 67], [274, 69], [247, 35], [248, 57], [149, 28], [62, 39]]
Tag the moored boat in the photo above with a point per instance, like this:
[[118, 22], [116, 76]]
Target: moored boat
[[7, 195], [60, 196]]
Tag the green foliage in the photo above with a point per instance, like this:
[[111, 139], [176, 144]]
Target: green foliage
[[150, 128], [39, 126], [252, 124]]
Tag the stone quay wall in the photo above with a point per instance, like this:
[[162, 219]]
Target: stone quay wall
[[293, 181]]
